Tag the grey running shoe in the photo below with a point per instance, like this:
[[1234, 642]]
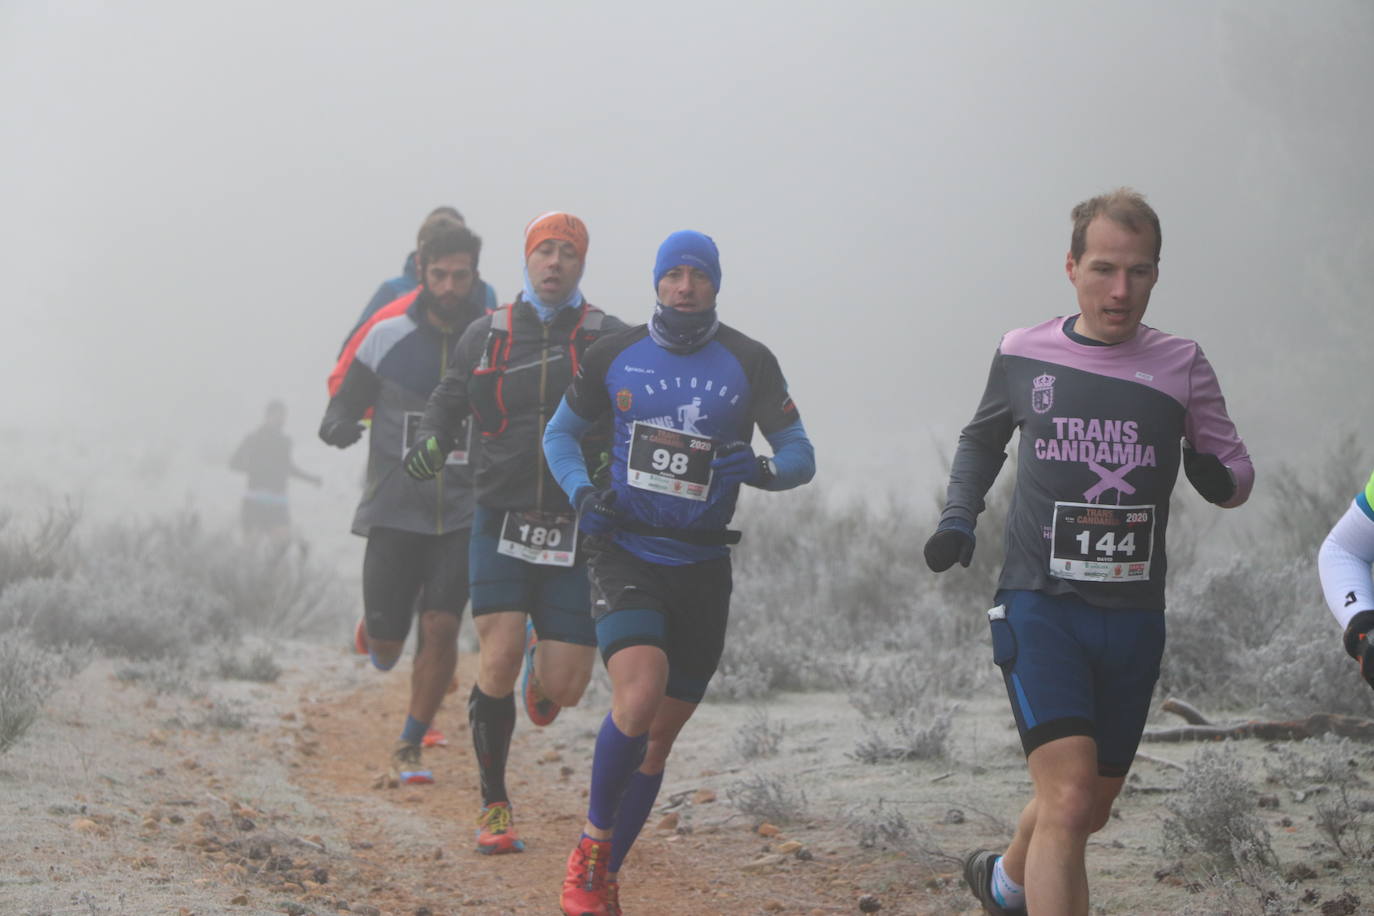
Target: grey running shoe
[[406, 768], [978, 876]]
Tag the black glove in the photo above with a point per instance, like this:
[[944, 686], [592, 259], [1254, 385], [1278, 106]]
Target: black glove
[[1357, 636], [596, 515], [341, 433], [953, 540], [1208, 475], [426, 458]]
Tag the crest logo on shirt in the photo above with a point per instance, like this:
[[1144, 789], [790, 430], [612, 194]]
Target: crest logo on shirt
[[1042, 393], [623, 399]]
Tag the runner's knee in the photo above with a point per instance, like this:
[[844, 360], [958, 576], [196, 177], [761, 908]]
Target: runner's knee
[[497, 671], [1069, 807], [564, 687], [439, 627]]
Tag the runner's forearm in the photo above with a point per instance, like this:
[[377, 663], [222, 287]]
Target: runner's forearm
[[1344, 563], [981, 450], [562, 450], [794, 458]]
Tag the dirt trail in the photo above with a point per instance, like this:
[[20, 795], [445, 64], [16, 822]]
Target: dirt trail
[[228, 798], [252, 799], [413, 846]]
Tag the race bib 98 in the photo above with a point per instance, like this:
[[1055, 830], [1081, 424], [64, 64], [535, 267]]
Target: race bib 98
[[1091, 542], [669, 461]]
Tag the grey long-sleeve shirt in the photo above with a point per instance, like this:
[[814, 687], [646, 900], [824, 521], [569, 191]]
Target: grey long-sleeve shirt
[[1099, 454]]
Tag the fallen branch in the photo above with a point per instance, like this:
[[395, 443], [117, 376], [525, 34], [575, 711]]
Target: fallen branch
[[1160, 761], [1188, 712], [1293, 730]]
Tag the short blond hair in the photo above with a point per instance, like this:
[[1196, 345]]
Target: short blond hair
[[1124, 206]]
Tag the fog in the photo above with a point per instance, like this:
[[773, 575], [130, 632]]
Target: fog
[[198, 201]]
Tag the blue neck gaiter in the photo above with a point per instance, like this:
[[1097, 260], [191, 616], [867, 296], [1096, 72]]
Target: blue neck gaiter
[[682, 332], [545, 310]]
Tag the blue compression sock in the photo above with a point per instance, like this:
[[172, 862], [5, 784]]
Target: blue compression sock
[[617, 755], [414, 730], [635, 806]]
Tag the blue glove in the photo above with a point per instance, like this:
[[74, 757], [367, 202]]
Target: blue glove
[[953, 540], [596, 515], [735, 463]]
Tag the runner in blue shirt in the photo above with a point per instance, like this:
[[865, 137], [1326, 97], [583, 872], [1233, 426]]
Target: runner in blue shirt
[[684, 393]]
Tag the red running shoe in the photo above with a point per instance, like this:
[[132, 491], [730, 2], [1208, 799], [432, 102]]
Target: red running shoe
[[584, 888], [613, 897], [434, 738], [495, 833], [540, 708], [360, 637]]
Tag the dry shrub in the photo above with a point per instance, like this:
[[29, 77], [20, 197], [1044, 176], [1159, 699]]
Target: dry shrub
[[28, 676], [769, 798], [1213, 820]]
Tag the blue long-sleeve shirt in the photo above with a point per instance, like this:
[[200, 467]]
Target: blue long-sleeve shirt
[[669, 411]]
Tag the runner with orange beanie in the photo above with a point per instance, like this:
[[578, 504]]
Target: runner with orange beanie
[[528, 581]]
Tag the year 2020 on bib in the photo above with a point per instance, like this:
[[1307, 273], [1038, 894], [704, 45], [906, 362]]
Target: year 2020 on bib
[[1091, 542], [669, 461], [542, 538]]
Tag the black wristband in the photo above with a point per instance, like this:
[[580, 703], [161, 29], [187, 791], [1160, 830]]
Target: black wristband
[[766, 475]]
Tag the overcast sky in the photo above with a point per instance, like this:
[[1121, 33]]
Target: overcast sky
[[197, 200]]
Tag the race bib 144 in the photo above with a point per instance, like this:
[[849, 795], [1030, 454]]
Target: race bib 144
[[1092, 542]]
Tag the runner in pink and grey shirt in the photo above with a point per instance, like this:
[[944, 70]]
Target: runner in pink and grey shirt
[[1107, 409]]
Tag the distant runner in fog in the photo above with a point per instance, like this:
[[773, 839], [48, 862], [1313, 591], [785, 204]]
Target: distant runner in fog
[[417, 533], [265, 456], [393, 289], [685, 393], [528, 580], [1102, 402], [1344, 562]]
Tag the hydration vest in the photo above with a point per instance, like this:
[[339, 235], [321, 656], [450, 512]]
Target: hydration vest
[[485, 387]]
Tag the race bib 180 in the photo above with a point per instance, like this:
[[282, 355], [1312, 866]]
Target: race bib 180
[[1091, 542], [669, 461], [542, 538], [410, 431]]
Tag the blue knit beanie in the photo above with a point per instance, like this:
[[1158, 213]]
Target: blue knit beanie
[[689, 248]]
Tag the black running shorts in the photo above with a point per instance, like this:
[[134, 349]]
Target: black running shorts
[[681, 609], [401, 566]]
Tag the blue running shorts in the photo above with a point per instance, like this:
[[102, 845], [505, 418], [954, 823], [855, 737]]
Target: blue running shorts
[[557, 598], [1075, 669]]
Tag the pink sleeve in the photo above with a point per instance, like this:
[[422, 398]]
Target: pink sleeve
[[1209, 429]]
